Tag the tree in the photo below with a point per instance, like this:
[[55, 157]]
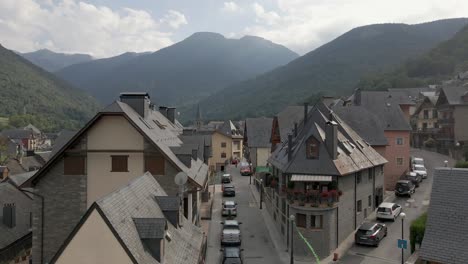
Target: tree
[[4, 155]]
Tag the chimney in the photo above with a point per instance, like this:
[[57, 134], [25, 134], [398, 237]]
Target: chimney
[[289, 147], [171, 111], [306, 111], [139, 101], [357, 96], [295, 129], [9, 215], [331, 139], [163, 111], [152, 232], [195, 154], [170, 207]]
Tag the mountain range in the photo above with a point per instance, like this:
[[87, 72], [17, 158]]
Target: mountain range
[[439, 64], [182, 73], [333, 69], [53, 61], [30, 94]]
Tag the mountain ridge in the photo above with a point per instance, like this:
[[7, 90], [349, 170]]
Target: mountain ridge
[[52, 61]]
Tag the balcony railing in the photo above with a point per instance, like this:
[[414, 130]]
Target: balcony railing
[[427, 130], [446, 121], [313, 198]]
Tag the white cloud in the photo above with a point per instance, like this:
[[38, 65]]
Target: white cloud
[[174, 19], [266, 17], [69, 26], [303, 25], [231, 7]]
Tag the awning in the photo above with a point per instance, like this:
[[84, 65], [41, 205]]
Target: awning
[[263, 169], [311, 178]]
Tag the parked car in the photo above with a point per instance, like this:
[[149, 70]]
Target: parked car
[[414, 178], [234, 161], [245, 170], [229, 208], [232, 255], [226, 178], [421, 170], [229, 190], [370, 233], [404, 187], [388, 211], [231, 234]]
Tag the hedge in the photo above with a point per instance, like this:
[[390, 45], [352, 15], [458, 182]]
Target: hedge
[[461, 164], [417, 228]]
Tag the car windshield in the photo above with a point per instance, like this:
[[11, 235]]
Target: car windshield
[[383, 209], [231, 226], [420, 168], [229, 206], [416, 161], [229, 188], [402, 186], [365, 232]]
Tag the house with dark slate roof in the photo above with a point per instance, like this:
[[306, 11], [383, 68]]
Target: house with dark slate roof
[[15, 224], [257, 145], [126, 139], [326, 175], [137, 223], [425, 119], [452, 105], [284, 121], [382, 120], [446, 235]]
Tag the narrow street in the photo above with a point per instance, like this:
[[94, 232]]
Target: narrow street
[[256, 242], [388, 252]]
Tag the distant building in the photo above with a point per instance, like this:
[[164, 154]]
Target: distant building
[[137, 223], [425, 120], [257, 133], [325, 175], [446, 229], [284, 122]]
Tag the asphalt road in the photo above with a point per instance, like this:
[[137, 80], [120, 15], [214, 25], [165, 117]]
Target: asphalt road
[[388, 252], [256, 242]]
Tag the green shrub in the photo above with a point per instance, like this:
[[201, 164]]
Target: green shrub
[[461, 164], [430, 143], [417, 228]]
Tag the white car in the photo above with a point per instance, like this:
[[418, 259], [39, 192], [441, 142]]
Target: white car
[[388, 211], [421, 170], [419, 161], [229, 208]]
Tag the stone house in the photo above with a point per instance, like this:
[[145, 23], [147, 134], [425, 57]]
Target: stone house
[[325, 175], [425, 120], [137, 223], [121, 142], [452, 105], [446, 231], [257, 145]]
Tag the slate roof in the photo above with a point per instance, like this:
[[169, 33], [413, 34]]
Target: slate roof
[[10, 194], [353, 153], [386, 106], [364, 122], [259, 132], [19, 179], [287, 118], [157, 129], [32, 128], [137, 200], [17, 133], [62, 138], [446, 236], [454, 94], [150, 227], [230, 130], [410, 93], [168, 203]]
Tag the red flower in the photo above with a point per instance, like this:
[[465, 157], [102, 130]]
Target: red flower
[[324, 194]]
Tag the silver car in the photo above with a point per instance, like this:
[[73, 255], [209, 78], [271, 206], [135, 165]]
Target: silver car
[[370, 234], [229, 208]]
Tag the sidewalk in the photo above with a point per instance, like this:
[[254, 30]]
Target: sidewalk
[[281, 247]]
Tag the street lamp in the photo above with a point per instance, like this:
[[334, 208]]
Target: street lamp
[[403, 215], [261, 193], [446, 163], [292, 218]]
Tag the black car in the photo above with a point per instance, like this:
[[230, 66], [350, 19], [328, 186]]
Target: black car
[[404, 187], [415, 178], [229, 190], [370, 234], [226, 179], [232, 255]]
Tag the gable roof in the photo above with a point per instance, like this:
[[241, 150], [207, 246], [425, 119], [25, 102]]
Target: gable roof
[[19, 179], [353, 153], [258, 132], [286, 119], [454, 95], [16, 133], [229, 129], [446, 229], [410, 93], [136, 200], [11, 194], [156, 128]]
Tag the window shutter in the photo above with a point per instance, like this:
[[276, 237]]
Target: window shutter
[[155, 165], [301, 220], [119, 163], [74, 165]]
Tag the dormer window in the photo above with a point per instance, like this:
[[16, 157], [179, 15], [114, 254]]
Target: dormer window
[[312, 149]]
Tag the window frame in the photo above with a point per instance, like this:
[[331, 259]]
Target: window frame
[[312, 223], [358, 177], [402, 161], [303, 220], [312, 153], [223, 155], [398, 139], [118, 169], [359, 206], [223, 144]]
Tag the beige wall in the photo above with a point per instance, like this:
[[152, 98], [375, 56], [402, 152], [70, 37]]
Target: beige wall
[[216, 140], [94, 243], [262, 156], [112, 134], [461, 123], [430, 121], [237, 148]]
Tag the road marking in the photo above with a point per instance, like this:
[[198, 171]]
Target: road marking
[[375, 257]]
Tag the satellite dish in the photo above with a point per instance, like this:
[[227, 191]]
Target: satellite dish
[[181, 178]]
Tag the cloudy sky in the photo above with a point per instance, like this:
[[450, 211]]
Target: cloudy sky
[[105, 28]]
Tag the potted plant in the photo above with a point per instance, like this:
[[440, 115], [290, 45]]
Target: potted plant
[[301, 196], [324, 196], [313, 197], [273, 183]]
